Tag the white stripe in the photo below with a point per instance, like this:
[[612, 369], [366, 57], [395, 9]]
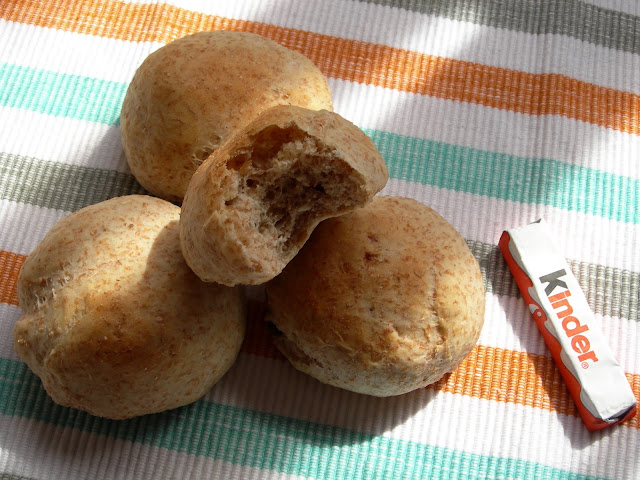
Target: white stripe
[[438, 36], [581, 237], [425, 416], [622, 337], [117, 60], [475, 126], [508, 325], [41, 451], [72, 53], [61, 139], [24, 226]]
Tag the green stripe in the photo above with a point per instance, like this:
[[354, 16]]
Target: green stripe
[[61, 95], [572, 18], [60, 186], [508, 177], [611, 291], [262, 440]]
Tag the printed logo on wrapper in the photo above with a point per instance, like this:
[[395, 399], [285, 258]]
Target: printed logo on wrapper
[[556, 302]]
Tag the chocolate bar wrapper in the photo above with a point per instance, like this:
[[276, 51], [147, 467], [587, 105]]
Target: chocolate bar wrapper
[[558, 305]]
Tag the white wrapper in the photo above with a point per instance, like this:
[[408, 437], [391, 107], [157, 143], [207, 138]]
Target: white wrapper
[[557, 303]]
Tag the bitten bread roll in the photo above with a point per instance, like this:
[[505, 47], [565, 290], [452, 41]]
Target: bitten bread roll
[[189, 96], [380, 301], [252, 204], [113, 320]]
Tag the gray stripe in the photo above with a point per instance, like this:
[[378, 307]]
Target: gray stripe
[[6, 476], [610, 291], [573, 18], [59, 186]]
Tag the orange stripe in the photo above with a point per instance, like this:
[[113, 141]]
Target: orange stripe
[[10, 264], [534, 94], [489, 373]]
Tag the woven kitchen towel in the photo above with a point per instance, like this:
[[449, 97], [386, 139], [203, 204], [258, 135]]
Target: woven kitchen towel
[[493, 112]]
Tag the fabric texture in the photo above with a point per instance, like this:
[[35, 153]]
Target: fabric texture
[[494, 113]]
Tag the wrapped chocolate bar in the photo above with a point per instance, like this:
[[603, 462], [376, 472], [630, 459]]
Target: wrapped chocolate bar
[[556, 302]]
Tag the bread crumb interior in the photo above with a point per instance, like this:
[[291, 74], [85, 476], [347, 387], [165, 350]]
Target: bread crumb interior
[[287, 180]]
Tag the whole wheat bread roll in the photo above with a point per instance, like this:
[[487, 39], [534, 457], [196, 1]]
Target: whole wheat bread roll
[[189, 96], [252, 204], [380, 301], [113, 320]]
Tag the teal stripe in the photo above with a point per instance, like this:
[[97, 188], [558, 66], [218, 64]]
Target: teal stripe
[[509, 177], [572, 18], [61, 95], [463, 169], [262, 440]]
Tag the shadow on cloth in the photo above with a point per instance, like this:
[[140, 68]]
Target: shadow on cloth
[[274, 385], [260, 413], [262, 402]]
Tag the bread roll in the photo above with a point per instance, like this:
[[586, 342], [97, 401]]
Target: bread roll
[[113, 320], [252, 205], [189, 96], [380, 301]]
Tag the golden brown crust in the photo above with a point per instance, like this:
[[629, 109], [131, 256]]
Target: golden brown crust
[[189, 96], [113, 320], [383, 300], [252, 204]]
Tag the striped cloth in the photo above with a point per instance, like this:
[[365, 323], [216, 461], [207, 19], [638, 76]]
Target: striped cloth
[[493, 112]]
